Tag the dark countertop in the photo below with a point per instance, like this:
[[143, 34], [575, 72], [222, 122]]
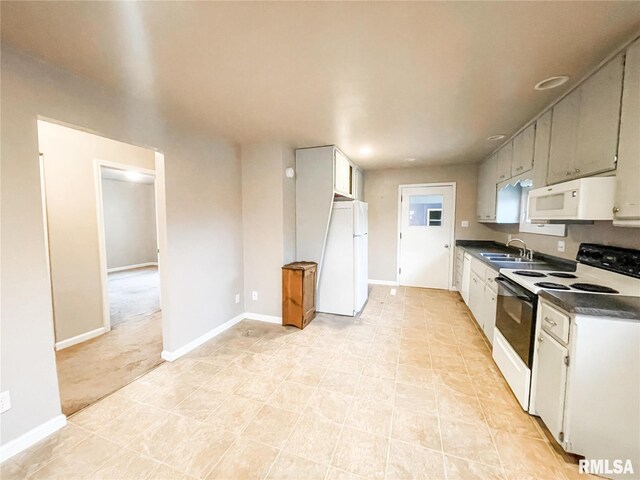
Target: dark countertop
[[594, 305], [476, 247]]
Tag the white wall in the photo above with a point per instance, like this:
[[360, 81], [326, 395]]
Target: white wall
[[70, 186], [268, 214], [129, 223], [203, 261]]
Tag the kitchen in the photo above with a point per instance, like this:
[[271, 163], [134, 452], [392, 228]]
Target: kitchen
[[400, 239]]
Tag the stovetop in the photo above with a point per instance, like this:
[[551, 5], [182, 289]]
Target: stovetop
[[601, 270]]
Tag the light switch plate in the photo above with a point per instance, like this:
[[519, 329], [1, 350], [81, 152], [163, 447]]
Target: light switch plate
[[237, 298], [464, 223], [254, 295], [561, 245]]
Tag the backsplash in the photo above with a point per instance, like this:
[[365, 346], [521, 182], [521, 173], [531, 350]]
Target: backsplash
[[599, 232]]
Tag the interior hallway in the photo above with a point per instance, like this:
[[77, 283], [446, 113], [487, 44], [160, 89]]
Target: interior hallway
[[133, 293], [390, 394]]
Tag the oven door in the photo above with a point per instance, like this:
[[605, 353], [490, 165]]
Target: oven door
[[515, 317]]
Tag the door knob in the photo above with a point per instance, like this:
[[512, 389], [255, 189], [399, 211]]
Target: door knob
[[616, 209], [446, 245]]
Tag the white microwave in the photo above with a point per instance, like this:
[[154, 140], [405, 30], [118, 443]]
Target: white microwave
[[583, 199]]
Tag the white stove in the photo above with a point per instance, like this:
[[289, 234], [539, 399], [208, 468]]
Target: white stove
[[586, 279]]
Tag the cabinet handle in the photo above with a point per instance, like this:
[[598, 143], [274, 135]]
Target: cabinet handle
[[616, 209], [501, 176], [550, 322], [519, 168], [568, 173], [577, 170]]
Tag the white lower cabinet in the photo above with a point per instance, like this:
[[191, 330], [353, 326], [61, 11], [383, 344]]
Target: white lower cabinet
[[466, 277], [476, 297], [483, 298], [489, 312], [551, 383]]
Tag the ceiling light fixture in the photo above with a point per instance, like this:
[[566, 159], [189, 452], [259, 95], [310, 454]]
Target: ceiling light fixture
[[133, 176], [551, 82], [366, 150], [499, 136]]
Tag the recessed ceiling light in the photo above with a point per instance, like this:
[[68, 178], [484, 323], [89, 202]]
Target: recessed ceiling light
[[366, 150], [499, 136], [409, 159], [551, 82]]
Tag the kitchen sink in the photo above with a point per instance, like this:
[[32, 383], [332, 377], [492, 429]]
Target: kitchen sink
[[514, 260], [498, 255]]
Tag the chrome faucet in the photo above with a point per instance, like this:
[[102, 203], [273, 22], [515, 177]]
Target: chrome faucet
[[524, 252]]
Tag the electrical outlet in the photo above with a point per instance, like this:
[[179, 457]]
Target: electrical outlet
[[561, 245], [254, 295], [237, 298], [5, 401], [392, 292], [464, 223]]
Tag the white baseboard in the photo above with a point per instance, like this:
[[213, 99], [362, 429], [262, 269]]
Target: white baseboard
[[32, 437], [171, 356], [263, 318], [83, 337], [131, 267], [391, 283]]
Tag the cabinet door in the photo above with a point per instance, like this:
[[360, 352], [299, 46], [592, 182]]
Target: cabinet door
[[505, 159], [627, 203], [564, 136], [489, 312], [486, 207], [358, 184], [342, 174], [523, 147], [481, 198], [600, 98], [476, 297], [541, 150], [551, 382]]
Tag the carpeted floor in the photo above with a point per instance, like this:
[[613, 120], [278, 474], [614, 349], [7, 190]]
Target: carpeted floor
[[98, 367], [95, 368], [133, 293]]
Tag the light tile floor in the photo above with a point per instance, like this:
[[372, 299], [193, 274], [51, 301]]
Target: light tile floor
[[407, 390]]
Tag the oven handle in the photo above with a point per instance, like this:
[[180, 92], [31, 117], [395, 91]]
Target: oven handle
[[516, 290]]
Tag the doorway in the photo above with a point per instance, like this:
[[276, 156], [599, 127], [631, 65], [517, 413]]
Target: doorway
[[102, 216], [426, 235]]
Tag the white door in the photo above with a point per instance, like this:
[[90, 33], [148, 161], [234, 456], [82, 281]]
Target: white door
[[426, 233]]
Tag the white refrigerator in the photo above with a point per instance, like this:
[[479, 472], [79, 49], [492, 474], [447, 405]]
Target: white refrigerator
[[343, 282]]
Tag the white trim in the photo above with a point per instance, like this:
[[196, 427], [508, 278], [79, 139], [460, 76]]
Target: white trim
[[171, 356], [452, 241], [263, 318], [83, 337], [32, 437], [391, 283], [131, 267]]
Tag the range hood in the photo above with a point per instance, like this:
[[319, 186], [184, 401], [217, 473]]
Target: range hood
[[578, 200]]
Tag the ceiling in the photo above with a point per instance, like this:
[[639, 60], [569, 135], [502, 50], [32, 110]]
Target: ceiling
[[423, 80], [126, 175]]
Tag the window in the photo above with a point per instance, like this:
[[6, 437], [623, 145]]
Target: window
[[425, 210]]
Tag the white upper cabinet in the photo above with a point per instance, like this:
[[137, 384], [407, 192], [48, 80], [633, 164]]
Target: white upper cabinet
[[627, 199], [584, 130], [505, 159], [486, 205], [343, 182], [523, 148], [358, 184], [564, 136], [541, 150], [600, 98]]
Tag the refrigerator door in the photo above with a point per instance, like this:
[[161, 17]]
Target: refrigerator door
[[360, 218], [361, 265], [336, 288]]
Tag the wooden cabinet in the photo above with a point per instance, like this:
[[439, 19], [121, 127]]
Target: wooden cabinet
[[299, 293], [486, 195], [523, 148], [584, 126], [627, 199], [505, 159], [551, 382]]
